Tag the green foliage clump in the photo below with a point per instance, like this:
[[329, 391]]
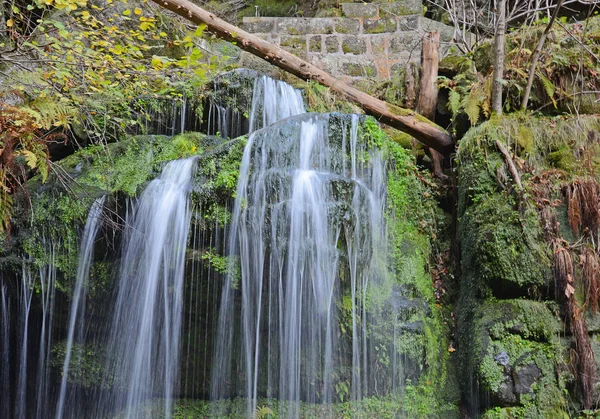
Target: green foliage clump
[[86, 367], [218, 171], [56, 217], [321, 99], [125, 166]]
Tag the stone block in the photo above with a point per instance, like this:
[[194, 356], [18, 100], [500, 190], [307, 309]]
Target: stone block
[[401, 8], [274, 38], [332, 44], [405, 42], [360, 10], [315, 43], [399, 67], [347, 26], [408, 23], [358, 68], [354, 45], [325, 62], [379, 45], [382, 25], [293, 42], [259, 24], [446, 32], [293, 26], [321, 25]]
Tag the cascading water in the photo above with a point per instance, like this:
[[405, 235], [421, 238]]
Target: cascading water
[[143, 346], [272, 101], [77, 312], [298, 318], [300, 200], [47, 295], [5, 344]]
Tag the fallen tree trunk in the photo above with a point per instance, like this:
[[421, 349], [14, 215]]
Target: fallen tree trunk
[[405, 120]]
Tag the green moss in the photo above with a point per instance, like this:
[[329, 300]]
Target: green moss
[[412, 219], [55, 217], [125, 166], [321, 99], [218, 171], [562, 159], [504, 253], [525, 333]]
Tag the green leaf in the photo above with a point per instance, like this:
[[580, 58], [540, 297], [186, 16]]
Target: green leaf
[[454, 102], [548, 87]]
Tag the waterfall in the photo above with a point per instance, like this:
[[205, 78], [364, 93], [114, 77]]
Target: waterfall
[[5, 354], [300, 196], [143, 347], [24, 312], [272, 101], [77, 311], [47, 296]]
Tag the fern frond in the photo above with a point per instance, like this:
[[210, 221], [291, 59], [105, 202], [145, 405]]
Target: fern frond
[[549, 87], [53, 113], [262, 412], [454, 102], [472, 103]]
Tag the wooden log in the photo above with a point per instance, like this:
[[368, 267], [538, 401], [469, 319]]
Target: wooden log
[[428, 89], [405, 120]]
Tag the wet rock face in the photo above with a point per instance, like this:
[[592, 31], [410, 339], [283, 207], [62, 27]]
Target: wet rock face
[[516, 381]]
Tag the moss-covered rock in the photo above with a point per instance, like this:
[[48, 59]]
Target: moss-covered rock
[[509, 329], [515, 350]]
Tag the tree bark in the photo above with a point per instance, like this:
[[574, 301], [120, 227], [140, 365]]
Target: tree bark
[[499, 58], [405, 120], [536, 56], [428, 89]]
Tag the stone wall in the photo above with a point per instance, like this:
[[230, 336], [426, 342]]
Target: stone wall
[[370, 40]]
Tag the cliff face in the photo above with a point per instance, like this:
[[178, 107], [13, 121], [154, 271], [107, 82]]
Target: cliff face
[[525, 347]]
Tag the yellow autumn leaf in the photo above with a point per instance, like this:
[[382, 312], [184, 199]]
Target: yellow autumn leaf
[[126, 12], [137, 11], [30, 158], [156, 62], [9, 23]]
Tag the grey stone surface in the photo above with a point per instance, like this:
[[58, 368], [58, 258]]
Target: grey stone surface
[[409, 23], [502, 358], [354, 45], [332, 44], [405, 41], [378, 42], [446, 32], [401, 8], [388, 24], [293, 42], [325, 62], [346, 26], [379, 45], [358, 68], [315, 43], [360, 10], [525, 376], [259, 25]]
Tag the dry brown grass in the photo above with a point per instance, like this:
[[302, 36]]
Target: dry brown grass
[[583, 197]]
